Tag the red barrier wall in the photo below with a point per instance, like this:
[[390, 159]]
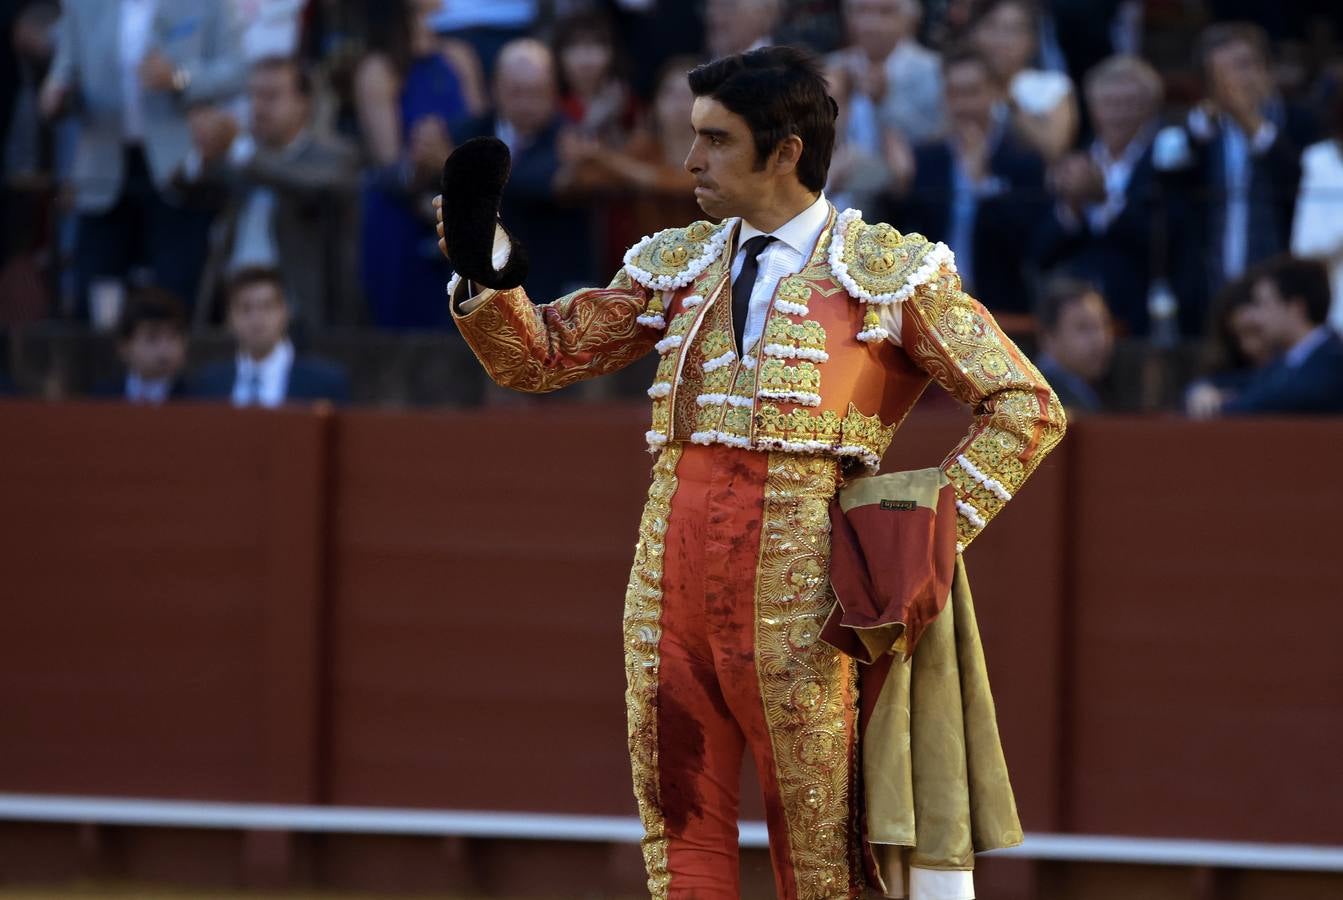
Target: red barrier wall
[[423, 610], [161, 576]]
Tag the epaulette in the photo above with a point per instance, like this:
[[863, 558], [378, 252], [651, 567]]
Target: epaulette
[[674, 257], [877, 264]]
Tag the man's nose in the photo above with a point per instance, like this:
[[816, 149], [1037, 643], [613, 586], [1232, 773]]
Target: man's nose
[[693, 161]]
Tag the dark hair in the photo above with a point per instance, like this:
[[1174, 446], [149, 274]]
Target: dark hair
[[1058, 293], [302, 77], [962, 54], [780, 92], [148, 305], [1222, 34], [985, 8], [1298, 280], [388, 25], [573, 29], [250, 275], [1224, 351]]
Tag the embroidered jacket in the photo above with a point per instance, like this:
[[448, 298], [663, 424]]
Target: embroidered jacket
[[826, 376]]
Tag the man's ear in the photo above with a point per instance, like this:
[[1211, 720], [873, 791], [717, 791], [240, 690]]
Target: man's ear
[[787, 155]]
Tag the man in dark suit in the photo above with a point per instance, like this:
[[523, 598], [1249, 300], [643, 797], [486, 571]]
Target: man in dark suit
[[152, 344], [1290, 302], [527, 119], [1076, 342], [1107, 225], [266, 371], [287, 194], [981, 190], [1232, 169]]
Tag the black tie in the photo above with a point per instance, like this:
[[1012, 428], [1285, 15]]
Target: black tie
[[741, 288]]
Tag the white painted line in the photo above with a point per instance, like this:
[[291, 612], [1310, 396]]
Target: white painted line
[[613, 829], [1178, 852]]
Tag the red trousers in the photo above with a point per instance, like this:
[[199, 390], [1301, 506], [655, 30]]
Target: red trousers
[[722, 624]]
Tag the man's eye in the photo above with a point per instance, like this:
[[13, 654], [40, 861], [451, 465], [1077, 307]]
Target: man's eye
[[716, 141]]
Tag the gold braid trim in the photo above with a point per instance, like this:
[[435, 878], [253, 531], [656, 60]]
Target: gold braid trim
[[1017, 417], [807, 687], [543, 348], [643, 631]]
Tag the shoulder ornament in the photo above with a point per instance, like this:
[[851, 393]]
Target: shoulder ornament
[[674, 257], [877, 264]]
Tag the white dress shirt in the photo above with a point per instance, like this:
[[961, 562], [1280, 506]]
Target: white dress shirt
[[137, 27], [1317, 227], [143, 390], [785, 256], [264, 382]]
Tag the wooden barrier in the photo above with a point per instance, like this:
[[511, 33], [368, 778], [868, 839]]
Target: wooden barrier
[[422, 610]]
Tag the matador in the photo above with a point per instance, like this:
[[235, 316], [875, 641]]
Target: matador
[[792, 340]]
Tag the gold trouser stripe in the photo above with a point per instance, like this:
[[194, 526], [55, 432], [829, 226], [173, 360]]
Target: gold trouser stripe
[[642, 632], [806, 686]]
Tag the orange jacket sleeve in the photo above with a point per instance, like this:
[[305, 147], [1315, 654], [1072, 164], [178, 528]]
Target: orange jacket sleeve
[[1017, 417], [543, 348]]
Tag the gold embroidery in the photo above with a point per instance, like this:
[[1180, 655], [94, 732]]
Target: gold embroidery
[[1018, 419], [881, 259], [827, 428], [543, 348], [661, 422], [808, 334], [716, 344], [718, 381], [699, 231], [669, 253], [642, 632], [681, 323], [806, 686], [737, 421], [795, 290], [777, 375], [675, 257]]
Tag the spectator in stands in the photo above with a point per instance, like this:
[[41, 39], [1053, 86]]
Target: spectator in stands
[[735, 26], [594, 94], [652, 165], [643, 182], [1317, 230], [1077, 35], [981, 189], [31, 153], [152, 345], [129, 70], [1042, 102], [1290, 305], [406, 91], [1103, 223], [288, 195], [527, 119], [889, 88], [1237, 352], [1076, 342], [1233, 168], [266, 370], [483, 25]]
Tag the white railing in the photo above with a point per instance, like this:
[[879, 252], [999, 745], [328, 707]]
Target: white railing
[[614, 829]]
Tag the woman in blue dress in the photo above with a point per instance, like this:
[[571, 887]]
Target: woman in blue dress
[[406, 91]]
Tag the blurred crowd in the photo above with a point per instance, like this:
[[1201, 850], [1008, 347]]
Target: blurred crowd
[[1162, 178]]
